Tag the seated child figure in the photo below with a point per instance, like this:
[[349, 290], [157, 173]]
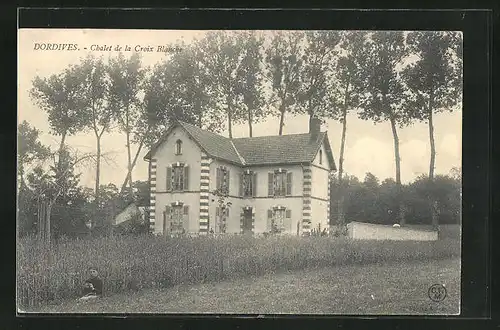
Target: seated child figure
[[92, 287]]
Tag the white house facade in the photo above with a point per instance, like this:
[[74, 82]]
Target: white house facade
[[272, 183]]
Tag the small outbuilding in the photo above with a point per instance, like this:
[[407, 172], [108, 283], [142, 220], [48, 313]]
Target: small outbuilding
[[131, 213], [369, 231]]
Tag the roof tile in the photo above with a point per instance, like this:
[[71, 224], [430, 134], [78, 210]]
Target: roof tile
[[294, 148], [262, 150]]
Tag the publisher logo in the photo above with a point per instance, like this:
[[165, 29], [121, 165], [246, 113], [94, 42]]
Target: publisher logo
[[437, 292]]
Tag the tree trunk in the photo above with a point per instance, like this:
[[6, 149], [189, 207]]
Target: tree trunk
[[396, 151], [97, 174], [341, 217], [401, 215], [129, 165], [433, 148], [229, 120], [340, 211], [250, 122], [60, 152], [200, 118], [282, 119], [48, 212], [432, 202], [63, 140]]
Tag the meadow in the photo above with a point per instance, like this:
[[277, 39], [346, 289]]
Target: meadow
[[50, 275], [394, 288]]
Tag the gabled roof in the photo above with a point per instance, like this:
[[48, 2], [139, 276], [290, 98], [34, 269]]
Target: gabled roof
[[262, 150], [213, 144], [278, 149]]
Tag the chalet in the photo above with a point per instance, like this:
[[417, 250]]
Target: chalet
[[273, 183]]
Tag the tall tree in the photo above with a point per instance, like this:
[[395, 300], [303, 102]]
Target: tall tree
[[58, 183], [29, 149], [252, 78], [384, 90], [284, 61], [126, 80], [458, 50], [59, 96], [434, 85], [223, 52], [158, 100], [316, 92], [30, 153], [193, 86], [98, 113], [349, 84], [181, 88]]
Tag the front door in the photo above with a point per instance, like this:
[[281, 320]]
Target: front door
[[177, 220], [247, 221]]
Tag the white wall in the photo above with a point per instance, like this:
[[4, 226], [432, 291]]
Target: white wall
[[319, 191], [165, 155], [319, 214], [325, 163], [359, 230]]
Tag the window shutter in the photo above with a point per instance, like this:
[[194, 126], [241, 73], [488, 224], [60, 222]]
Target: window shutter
[[186, 217], [289, 183], [169, 178], [241, 184], [227, 181], [269, 219], [216, 222], [164, 225], [270, 190], [288, 221], [186, 177], [217, 178], [254, 184], [167, 218]]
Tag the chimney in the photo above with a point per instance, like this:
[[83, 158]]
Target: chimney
[[314, 127]]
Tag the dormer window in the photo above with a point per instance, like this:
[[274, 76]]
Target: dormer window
[[321, 157], [178, 147]]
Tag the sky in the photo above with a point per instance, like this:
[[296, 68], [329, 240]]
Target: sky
[[369, 147]]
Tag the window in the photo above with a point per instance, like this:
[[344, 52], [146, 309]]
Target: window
[[177, 177], [248, 184], [321, 157], [222, 179], [280, 183], [279, 219], [178, 147]]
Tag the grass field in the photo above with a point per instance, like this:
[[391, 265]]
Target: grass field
[[51, 274], [396, 288]]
